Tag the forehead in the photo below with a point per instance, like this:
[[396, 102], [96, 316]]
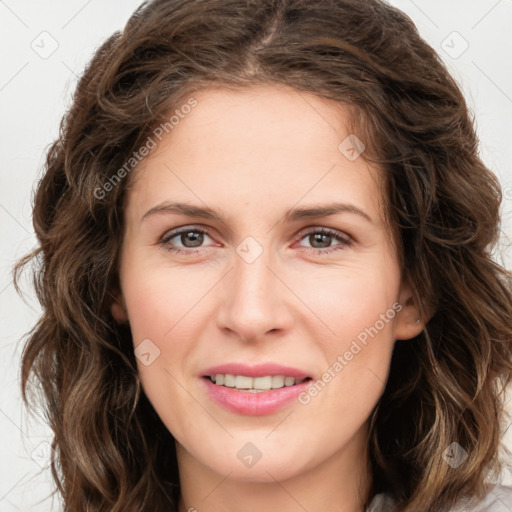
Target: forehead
[[259, 147]]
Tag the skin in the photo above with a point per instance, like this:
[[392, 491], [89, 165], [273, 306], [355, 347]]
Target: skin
[[251, 156]]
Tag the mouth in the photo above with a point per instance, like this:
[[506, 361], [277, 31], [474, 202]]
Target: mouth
[[255, 384], [254, 396], [254, 389]]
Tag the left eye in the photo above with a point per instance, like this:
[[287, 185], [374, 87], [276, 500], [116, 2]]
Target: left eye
[[320, 240], [323, 237]]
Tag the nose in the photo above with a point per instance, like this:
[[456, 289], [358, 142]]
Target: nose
[[255, 300]]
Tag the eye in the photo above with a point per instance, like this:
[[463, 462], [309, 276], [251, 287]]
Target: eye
[[320, 240], [189, 238]]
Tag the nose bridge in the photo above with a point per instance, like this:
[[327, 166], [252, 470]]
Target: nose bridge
[[253, 301], [251, 273]]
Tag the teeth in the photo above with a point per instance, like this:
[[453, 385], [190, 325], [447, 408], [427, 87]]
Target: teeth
[[229, 380], [289, 381], [242, 382], [256, 384], [278, 381], [262, 383]]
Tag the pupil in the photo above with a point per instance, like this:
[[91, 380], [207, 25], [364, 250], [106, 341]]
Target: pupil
[[197, 238], [318, 237]]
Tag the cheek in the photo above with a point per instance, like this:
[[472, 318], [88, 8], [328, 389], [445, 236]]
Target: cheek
[[163, 320], [358, 308], [350, 300], [160, 309], [159, 300]]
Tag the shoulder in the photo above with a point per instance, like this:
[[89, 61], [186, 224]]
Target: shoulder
[[381, 503], [498, 499]]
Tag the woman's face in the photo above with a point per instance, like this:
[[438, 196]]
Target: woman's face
[[263, 285]]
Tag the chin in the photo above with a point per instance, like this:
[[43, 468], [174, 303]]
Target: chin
[[260, 473], [267, 469]]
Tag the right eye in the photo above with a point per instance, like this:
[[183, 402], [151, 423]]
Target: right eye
[[192, 235]]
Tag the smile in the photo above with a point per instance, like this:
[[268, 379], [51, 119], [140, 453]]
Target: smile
[[251, 401], [255, 384]]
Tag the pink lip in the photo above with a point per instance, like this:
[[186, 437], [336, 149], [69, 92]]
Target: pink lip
[[253, 404], [259, 370]]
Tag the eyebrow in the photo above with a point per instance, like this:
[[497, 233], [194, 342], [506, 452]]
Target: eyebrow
[[294, 214]]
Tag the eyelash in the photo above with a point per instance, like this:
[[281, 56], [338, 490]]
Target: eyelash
[[344, 239]]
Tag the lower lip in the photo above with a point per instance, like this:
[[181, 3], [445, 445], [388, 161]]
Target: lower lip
[[254, 404]]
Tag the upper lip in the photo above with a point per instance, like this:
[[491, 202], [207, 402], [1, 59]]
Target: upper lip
[[258, 370]]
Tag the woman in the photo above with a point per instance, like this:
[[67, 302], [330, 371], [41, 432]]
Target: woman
[[265, 238]]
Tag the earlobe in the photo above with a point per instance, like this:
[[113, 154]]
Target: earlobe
[[118, 309], [409, 322]]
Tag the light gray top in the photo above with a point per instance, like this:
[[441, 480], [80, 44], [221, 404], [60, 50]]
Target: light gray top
[[499, 499]]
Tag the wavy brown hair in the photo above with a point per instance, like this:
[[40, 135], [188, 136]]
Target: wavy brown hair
[[111, 451]]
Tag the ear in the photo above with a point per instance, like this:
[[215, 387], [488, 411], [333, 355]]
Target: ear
[[118, 309], [408, 322]]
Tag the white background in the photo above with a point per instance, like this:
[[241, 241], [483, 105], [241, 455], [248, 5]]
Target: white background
[[35, 90]]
